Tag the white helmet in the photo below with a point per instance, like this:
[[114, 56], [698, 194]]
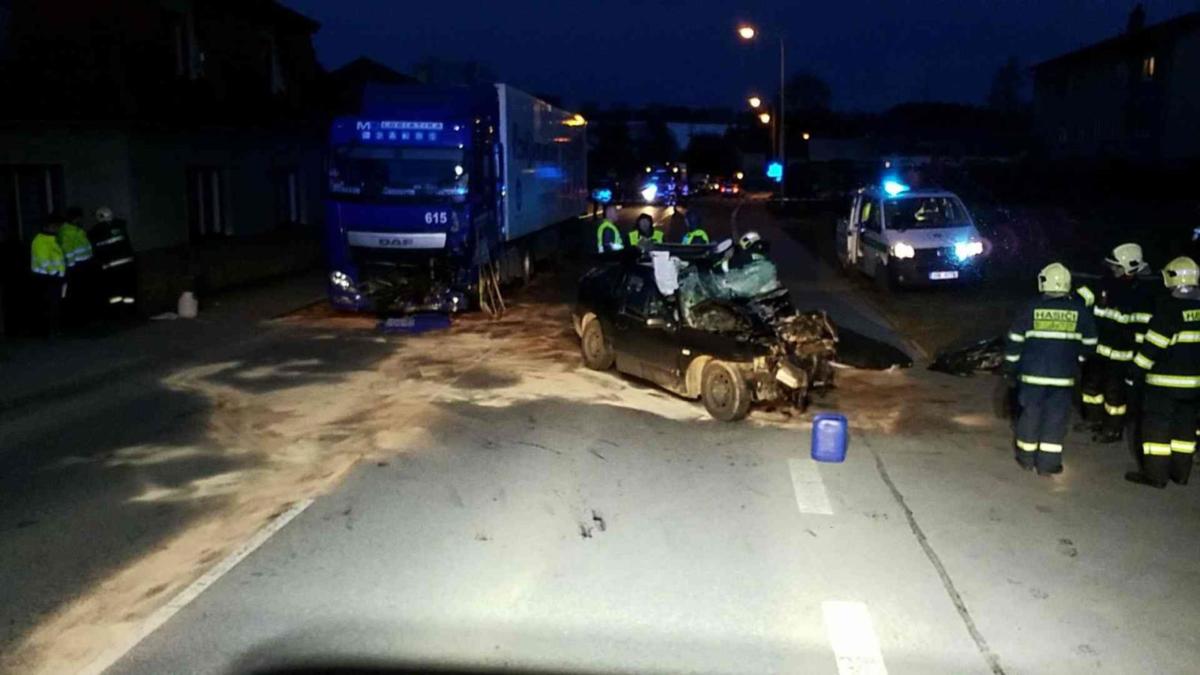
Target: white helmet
[[1127, 258], [749, 239], [104, 215], [1054, 278]]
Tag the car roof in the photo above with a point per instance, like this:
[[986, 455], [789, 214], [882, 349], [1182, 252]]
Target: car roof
[[908, 194]]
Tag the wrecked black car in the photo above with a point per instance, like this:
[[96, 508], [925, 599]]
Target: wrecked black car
[[729, 337]]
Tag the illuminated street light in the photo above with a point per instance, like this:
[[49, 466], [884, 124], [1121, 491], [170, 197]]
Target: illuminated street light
[[764, 117], [647, 169], [740, 175], [746, 32], [806, 136], [755, 101]]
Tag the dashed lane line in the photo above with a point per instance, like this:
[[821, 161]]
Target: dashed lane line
[[852, 636], [811, 496]]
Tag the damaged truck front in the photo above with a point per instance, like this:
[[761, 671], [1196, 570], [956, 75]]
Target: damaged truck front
[[729, 337]]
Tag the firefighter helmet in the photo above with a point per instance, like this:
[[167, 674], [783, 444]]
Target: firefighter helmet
[[1127, 258], [749, 239], [1181, 271], [1054, 278]]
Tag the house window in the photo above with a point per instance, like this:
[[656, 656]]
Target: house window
[[289, 197], [1148, 66], [207, 211], [28, 193]]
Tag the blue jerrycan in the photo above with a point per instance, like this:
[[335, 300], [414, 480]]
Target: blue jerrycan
[[829, 437]]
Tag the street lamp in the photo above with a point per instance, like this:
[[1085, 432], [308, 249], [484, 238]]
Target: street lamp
[[806, 136], [747, 32], [754, 101], [764, 117]]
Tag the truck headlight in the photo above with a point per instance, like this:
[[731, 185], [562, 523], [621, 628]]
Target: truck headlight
[[968, 249], [902, 250], [341, 280]]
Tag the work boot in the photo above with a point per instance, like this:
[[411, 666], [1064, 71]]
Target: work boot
[[1180, 481], [1106, 436], [1142, 479]]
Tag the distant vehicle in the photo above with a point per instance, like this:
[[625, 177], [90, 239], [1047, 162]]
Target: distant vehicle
[[429, 184], [727, 351], [730, 188], [906, 237]]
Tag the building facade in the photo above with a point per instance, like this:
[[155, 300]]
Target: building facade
[[1135, 96]]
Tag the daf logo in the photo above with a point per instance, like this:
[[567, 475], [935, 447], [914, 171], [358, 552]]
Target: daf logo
[[396, 242]]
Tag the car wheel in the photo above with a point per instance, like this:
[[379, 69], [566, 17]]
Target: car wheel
[[724, 391], [597, 353]]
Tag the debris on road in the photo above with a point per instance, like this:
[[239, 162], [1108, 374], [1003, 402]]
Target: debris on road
[[859, 351], [985, 355]]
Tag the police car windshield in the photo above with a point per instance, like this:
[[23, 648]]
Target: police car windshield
[[402, 174], [917, 213]]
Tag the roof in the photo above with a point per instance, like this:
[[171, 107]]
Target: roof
[[364, 69], [1149, 36]]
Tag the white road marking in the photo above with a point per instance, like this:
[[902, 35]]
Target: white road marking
[[848, 625], [114, 653], [809, 488]]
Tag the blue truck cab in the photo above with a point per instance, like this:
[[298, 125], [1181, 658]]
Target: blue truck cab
[[427, 185]]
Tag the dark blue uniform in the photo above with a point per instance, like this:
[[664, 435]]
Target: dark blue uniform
[[1047, 341], [1122, 312]]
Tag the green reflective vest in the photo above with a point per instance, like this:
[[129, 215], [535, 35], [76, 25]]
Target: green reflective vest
[[74, 244], [614, 235], [46, 257], [697, 235], [635, 237]]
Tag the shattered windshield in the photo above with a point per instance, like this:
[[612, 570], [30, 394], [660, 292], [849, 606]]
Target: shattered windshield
[[916, 213], [427, 174]]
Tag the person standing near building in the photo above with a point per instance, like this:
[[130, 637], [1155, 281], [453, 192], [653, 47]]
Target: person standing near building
[[116, 266], [1169, 359], [1045, 345], [608, 237], [81, 290], [1121, 314], [49, 267]]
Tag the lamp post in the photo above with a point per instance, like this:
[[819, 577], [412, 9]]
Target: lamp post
[[747, 33]]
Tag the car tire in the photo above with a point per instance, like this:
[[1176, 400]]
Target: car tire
[[724, 391], [593, 344]]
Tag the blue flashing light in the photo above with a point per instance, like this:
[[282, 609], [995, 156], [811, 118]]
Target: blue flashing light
[[602, 195], [894, 187], [775, 171]]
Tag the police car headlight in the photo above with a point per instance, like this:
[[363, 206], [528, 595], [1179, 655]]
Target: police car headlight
[[341, 280], [968, 249], [902, 250]]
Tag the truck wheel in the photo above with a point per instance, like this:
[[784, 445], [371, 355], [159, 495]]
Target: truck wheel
[[597, 353], [725, 393]]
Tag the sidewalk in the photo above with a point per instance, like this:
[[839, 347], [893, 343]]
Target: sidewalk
[[33, 370]]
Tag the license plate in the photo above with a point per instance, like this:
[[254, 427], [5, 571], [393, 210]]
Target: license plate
[[938, 276]]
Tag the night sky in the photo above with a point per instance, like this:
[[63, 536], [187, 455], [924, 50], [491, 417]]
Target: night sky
[[873, 53]]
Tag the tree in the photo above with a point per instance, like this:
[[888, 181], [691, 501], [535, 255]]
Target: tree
[[807, 93], [1007, 85], [712, 154]]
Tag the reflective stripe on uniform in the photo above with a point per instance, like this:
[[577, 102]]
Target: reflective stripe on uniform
[[111, 240], [1016, 337], [1086, 293], [1142, 362], [1051, 447], [1115, 410], [1114, 354], [1093, 399], [1158, 340], [1092, 342], [1173, 381], [1112, 314], [1184, 447], [1186, 336], [1140, 317], [1052, 335], [123, 261], [1048, 381], [1012, 358], [1139, 338], [1156, 449], [1026, 446]]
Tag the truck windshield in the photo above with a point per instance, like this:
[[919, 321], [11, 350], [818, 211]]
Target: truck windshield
[[399, 174], [917, 213]]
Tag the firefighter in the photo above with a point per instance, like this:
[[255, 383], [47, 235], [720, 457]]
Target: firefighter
[[695, 233], [115, 262], [1169, 360], [49, 267], [1045, 344], [645, 234], [1121, 313], [750, 248], [608, 237], [77, 250]]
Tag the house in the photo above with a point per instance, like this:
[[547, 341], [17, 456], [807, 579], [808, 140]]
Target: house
[[1135, 96], [192, 119]]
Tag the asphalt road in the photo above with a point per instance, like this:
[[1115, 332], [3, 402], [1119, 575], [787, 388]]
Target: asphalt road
[[531, 515]]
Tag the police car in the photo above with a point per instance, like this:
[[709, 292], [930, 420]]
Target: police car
[[903, 236]]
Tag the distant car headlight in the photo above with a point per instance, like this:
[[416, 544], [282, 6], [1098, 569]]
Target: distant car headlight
[[341, 280], [968, 249], [902, 250]]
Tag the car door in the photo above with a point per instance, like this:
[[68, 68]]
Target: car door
[[629, 324], [646, 332], [871, 241]]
